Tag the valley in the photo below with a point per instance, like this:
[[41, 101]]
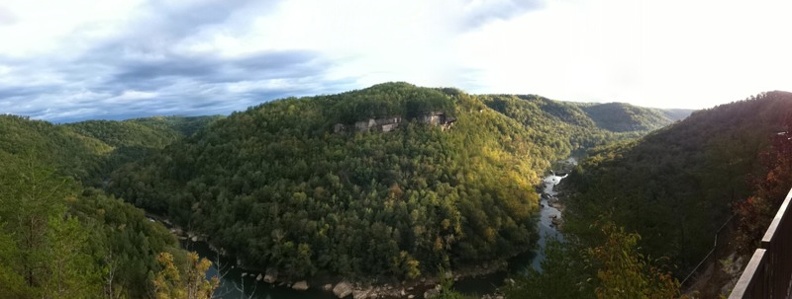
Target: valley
[[395, 185]]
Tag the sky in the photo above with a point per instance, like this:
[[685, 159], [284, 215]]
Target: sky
[[73, 60]]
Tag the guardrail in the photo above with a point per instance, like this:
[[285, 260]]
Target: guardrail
[[716, 253], [769, 272]]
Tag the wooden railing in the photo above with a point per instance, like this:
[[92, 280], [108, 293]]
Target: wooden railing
[[769, 273]]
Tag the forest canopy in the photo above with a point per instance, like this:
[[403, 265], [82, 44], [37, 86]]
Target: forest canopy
[[282, 185]]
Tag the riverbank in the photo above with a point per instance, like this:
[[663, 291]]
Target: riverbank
[[248, 282], [265, 283]]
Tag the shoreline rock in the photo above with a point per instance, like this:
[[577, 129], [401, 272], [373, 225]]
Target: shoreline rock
[[361, 294], [300, 285], [271, 275], [342, 289]]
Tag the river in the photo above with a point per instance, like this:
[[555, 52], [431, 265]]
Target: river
[[236, 283]]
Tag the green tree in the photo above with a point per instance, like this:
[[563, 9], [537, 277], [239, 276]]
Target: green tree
[[565, 273], [606, 266], [73, 272]]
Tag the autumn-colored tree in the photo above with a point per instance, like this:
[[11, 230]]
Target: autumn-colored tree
[[756, 212], [623, 272], [191, 283], [608, 266]]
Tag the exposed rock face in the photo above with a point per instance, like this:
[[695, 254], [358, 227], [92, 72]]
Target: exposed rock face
[[437, 118], [300, 285], [382, 125], [361, 294], [431, 293], [271, 276], [389, 127], [365, 125], [342, 289], [391, 123], [338, 128]]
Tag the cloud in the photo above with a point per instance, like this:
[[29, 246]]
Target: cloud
[[481, 12], [147, 70], [214, 69], [7, 17], [146, 57], [82, 59]]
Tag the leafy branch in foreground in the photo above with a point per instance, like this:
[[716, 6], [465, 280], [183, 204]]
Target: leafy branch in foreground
[[610, 268]]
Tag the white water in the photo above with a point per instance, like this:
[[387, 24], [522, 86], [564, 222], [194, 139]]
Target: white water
[[546, 228]]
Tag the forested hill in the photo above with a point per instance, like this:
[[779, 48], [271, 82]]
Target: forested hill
[[59, 239], [391, 180], [677, 114], [676, 186], [153, 132], [586, 125], [622, 117], [89, 150], [134, 139]]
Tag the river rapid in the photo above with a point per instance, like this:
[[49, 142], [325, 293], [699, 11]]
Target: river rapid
[[239, 283]]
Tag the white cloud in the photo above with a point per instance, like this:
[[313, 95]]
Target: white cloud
[[131, 95], [654, 53], [41, 27], [670, 53]]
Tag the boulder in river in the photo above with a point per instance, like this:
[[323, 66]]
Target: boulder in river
[[300, 285], [342, 289], [259, 277], [328, 287], [271, 275]]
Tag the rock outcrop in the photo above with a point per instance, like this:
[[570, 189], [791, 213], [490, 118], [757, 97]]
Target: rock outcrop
[[361, 294], [392, 123], [300, 285], [271, 275], [379, 125], [431, 293], [342, 289]]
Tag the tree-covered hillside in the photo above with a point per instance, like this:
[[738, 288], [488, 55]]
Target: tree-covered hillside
[[134, 139], [677, 185], [622, 117], [183, 126], [391, 180], [61, 240], [571, 127], [677, 114], [69, 152]]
